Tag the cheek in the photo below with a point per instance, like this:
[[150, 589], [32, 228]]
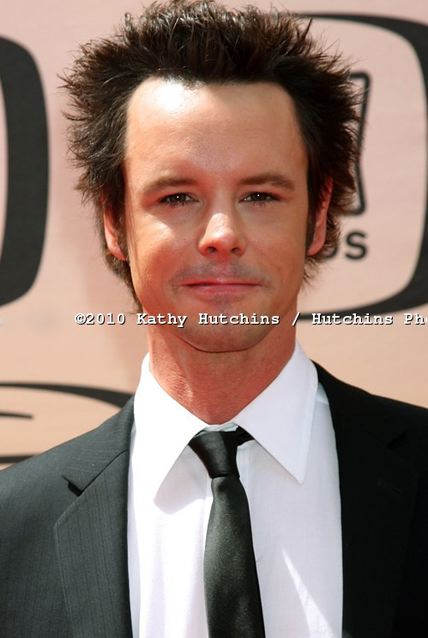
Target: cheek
[[153, 253], [283, 249]]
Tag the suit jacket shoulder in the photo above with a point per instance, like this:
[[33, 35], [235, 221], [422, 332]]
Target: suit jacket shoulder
[[93, 449], [403, 425], [382, 448], [55, 557]]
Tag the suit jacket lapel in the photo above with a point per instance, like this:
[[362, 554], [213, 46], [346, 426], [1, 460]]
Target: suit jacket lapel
[[91, 535], [378, 490]]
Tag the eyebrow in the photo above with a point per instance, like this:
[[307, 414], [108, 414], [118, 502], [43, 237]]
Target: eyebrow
[[275, 179], [167, 182]]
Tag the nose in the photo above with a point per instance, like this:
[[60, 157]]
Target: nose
[[223, 234]]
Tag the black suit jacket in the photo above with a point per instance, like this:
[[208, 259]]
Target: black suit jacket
[[63, 526]]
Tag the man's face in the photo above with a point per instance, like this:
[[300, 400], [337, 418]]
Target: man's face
[[216, 207]]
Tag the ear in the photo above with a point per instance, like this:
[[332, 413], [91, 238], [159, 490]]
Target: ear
[[320, 226], [112, 235]]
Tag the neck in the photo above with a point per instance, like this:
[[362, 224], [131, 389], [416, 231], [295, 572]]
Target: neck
[[215, 386]]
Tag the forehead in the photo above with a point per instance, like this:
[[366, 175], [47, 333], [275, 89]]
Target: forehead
[[217, 119]]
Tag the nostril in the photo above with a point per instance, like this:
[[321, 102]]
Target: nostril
[[222, 235]]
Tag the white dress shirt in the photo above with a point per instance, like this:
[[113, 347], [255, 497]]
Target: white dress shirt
[[290, 474]]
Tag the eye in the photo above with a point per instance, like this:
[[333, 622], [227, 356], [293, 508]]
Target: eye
[[177, 199], [260, 197]]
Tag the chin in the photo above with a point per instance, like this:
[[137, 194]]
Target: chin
[[225, 338]]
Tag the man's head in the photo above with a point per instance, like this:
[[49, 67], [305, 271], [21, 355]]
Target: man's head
[[216, 205], [205, 44]]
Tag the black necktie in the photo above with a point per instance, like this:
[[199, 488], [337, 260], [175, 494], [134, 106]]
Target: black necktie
[[232, 592]]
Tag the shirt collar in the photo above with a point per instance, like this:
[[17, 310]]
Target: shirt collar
[[163, 428], [279, 419]]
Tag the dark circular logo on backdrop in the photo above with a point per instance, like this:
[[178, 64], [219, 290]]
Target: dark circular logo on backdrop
[[27, 171]]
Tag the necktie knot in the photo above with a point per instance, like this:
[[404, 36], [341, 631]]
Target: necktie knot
[[217, 450]]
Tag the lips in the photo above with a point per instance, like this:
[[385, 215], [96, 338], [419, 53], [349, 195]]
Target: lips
[[224, 286], [210, 284], [221, 289], [221, 282], [220, 279]]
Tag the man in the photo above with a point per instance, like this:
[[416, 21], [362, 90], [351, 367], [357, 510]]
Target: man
[[217, 147]]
